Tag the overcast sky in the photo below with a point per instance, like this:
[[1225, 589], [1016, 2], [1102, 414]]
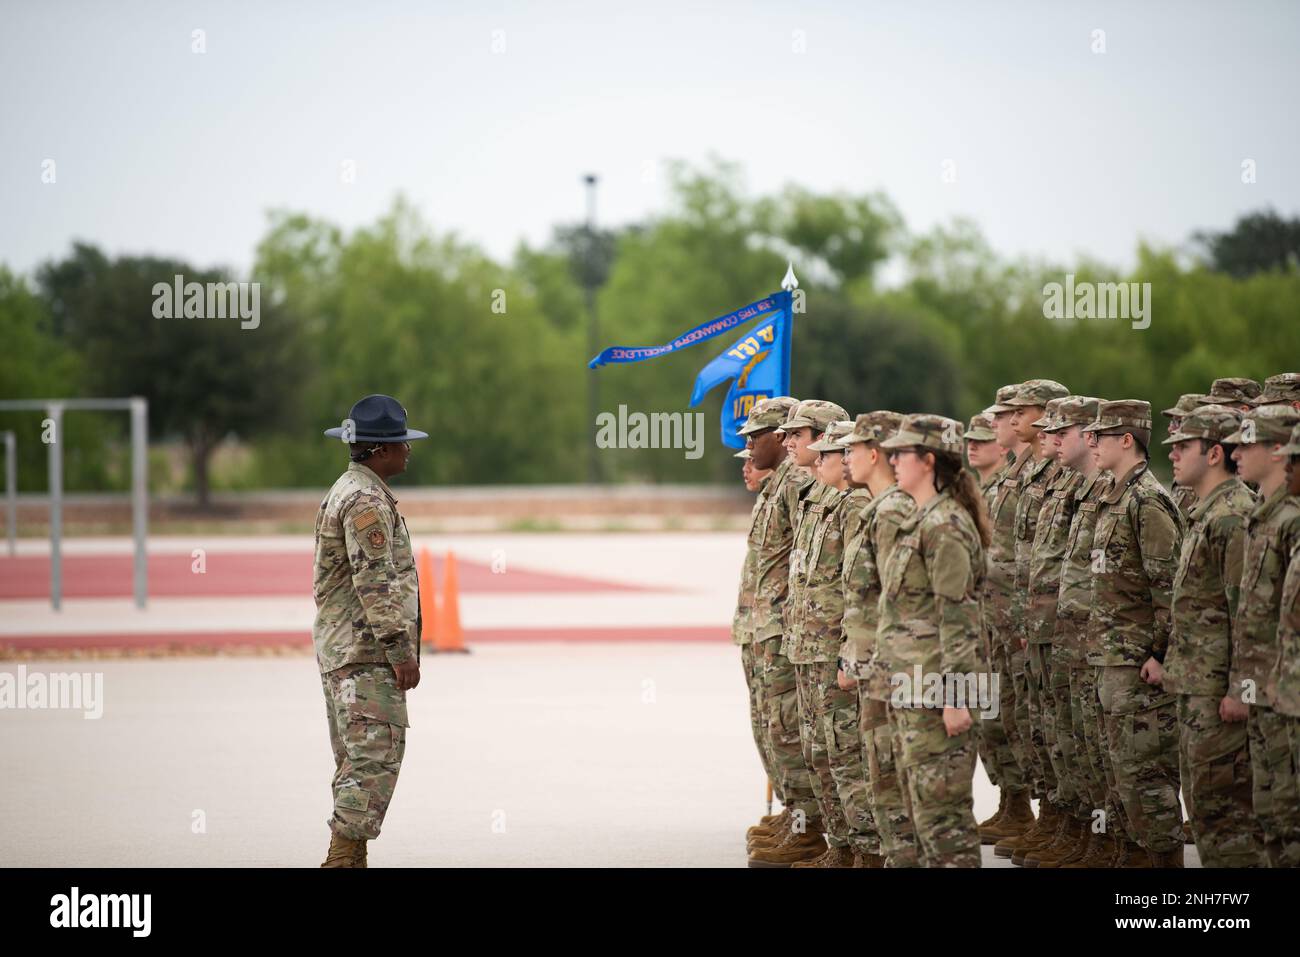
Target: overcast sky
[[1058, 150]]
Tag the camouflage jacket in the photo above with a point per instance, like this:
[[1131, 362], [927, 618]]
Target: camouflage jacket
[[1036, 478], [1185, 499], [930, 599], [1206, 591], [1135, 553], [1272, 534], [1284, 692], [865, 553], [771, 533], [367, 597], [814, 608], [1074, 596], [1051, 538], [742, 626], [1001, 581]]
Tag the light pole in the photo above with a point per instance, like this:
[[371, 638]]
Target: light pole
[[593, 339]]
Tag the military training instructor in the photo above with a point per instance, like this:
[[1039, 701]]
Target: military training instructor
[[367, 628]]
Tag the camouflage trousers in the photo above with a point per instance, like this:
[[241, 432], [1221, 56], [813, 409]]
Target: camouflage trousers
[[367, 722], [1142, 737], [936, 772], [1113, 818], [1038, 729], [1070, 787], [995, 735], [1276, 792], [888, 806], [1013, 706], [1214, 761], [1087, 728], [841, 729], [816, 703], [781, 699], [752, 664]]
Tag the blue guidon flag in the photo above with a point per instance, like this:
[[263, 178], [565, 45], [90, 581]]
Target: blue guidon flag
[[758, 363]]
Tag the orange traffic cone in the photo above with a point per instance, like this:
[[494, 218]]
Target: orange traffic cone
[[428, 600], [450, 637]]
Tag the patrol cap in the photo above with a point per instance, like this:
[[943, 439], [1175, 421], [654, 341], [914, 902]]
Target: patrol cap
[[742, 454], [768, 413], [1037, 392], [1268, 423], [1293, 447], [1186, 402], [980, 428], [1234, 389], [1049, 419], [1000, 402], [830, 440], [1212, 422], [1283, 387], [935, 432], [817, 414], [1075, 410], [873, 427], [1123, 415]]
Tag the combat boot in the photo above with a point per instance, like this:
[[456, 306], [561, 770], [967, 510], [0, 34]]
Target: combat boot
[[1069, 843], [867, 859], [1019, 856], [1015, 818], [1131, 855], [1172, 858], [345, 852], [1097, 852], [1041, 829], [990, 830], [769, 824], [834, 857], [1082, 843], [792, 850]]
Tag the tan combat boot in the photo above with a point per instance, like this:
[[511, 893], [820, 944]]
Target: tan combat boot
[[345, 852], [1079, 848], [770, 838], [792, 850], [1131, 855], [1172, 858], [1019, 857], [1097, 851], [1019, 816], [834, 857], [1041, 829], [1073, 838], [769, 824], [990, 830], [868, 860]]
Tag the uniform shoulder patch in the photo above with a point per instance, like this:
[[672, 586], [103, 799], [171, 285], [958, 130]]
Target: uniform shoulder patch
[[365, 519]]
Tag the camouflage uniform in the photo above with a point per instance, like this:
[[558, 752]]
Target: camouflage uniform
[[1033, 715], [869, 538], [1135, 552], [1008, 661], [1213, 754], [1285, 690], [930, 625], [771, 534], [742, 633], [1184, 497], [1273, 535], [1234, 391], [1281, 389], [367, 607], [1046, 554]]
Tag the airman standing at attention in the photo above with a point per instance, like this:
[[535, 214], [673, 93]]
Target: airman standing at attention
[[1285, 691], [930, 633], [742, 631], [822, 812], [1183, 496], [867, 545], [1046, 555], [1234, 392], [1214, 758], [771, 533], [1280, 389], [1272, 537], [1033, 682], [1135, 553]]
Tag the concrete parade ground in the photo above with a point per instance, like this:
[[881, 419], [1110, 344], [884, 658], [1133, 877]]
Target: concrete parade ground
[[599, 720]]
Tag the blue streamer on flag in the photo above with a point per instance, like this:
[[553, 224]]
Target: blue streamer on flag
[[758, 364]]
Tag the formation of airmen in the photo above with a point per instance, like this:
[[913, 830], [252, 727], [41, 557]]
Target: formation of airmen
[[1122, 642]]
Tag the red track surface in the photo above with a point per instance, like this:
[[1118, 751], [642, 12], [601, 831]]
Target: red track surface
[[243, 573], [254, 639]]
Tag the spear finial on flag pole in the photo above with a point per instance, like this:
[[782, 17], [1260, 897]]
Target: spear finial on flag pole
[[789, 282]]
